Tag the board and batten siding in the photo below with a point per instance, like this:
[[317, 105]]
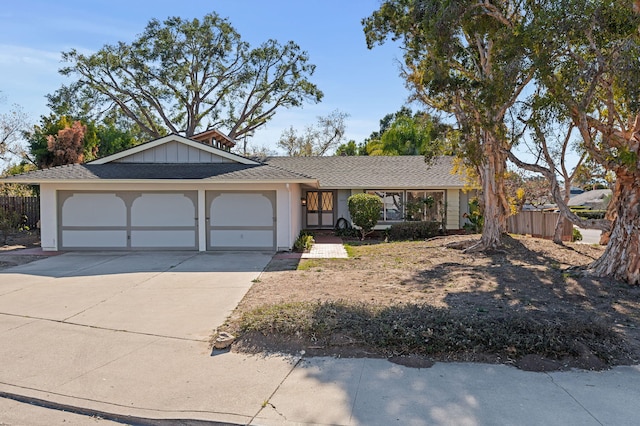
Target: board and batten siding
[[173, 152], [453, 208], [343, 205]]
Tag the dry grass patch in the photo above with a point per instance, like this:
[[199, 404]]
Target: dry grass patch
[[424, 298]]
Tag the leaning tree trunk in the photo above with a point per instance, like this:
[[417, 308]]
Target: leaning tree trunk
[[495, 204], [621, 258]]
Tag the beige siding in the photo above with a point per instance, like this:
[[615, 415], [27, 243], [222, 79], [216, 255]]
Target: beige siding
[[453, 208], [173, 152]]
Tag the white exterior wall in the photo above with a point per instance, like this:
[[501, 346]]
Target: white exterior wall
[[453, 209], [288, 223], [48, 218], [295, 213]]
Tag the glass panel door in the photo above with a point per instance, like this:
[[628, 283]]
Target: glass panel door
[[326, 216], [313, 217], [320, 206]]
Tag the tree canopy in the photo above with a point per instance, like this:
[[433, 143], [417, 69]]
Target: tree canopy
[[182, 76], [469, 59], [588, 62], [316, 140], [12, 124], [407, 134]]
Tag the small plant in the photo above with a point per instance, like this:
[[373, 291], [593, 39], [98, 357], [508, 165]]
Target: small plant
[[474, 218], [365, 211], [303, 242], [577, 235]]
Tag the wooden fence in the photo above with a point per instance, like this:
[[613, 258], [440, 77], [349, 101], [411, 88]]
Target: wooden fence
[[538, 224], [27, 207]]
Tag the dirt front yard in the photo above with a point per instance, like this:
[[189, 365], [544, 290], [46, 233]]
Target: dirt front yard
[[15, 242], [422, 301]]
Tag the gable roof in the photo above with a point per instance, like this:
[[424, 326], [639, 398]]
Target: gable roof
[[374, 172], [135, 172], [174, 138]]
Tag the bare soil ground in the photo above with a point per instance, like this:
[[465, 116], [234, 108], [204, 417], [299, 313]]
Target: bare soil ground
[[533, 290], [15, 242]]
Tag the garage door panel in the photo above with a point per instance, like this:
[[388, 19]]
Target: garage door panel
[[94, 239], [242, 238], [163, 210], [160, 238], [241, 220], [94, 210], [231, 209]]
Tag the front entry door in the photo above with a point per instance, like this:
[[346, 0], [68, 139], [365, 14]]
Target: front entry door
[[320, 209]]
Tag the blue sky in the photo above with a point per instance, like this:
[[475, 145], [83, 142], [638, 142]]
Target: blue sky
[[361, 82]]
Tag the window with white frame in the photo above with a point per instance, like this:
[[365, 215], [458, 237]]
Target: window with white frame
[[425, 206], [410, 205]]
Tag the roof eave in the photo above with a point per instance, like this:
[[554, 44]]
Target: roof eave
[[163, 181], [402, 187]]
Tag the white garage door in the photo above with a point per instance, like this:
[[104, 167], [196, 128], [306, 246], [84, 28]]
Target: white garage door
[[241, 220], [128, 220]]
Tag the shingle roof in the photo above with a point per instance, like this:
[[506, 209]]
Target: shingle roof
[[588, 198], [332, 172], [374, 171], [143, 171]]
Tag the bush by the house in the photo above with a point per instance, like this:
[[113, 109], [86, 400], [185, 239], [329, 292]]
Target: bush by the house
[[347, 232], [365, 211], [303, 242], [413, 231]]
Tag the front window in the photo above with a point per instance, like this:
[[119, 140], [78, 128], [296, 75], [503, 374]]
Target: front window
[[410, 205], [424, 206], [392, 205]]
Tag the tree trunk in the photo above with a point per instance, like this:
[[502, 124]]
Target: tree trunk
[[496, 207], [621, 259], [557, 234]]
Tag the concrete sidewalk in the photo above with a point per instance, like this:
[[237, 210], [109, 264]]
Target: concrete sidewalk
[[113, 349], [178, 381]]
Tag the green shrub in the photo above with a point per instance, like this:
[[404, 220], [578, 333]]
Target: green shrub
[[577, 235], [303, 242], [591, 214], [365, 211], [474, 217], [413, 231], [346, 232]]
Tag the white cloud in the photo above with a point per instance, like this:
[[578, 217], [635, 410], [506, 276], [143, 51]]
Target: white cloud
[[12, 54]]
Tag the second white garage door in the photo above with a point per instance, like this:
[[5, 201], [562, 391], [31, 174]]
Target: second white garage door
[[241, 220]]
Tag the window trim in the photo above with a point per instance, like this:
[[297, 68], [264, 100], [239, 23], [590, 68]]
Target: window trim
[[403, 192]]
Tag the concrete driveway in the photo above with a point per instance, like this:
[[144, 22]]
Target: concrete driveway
[[128, 333], [181, 295]]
